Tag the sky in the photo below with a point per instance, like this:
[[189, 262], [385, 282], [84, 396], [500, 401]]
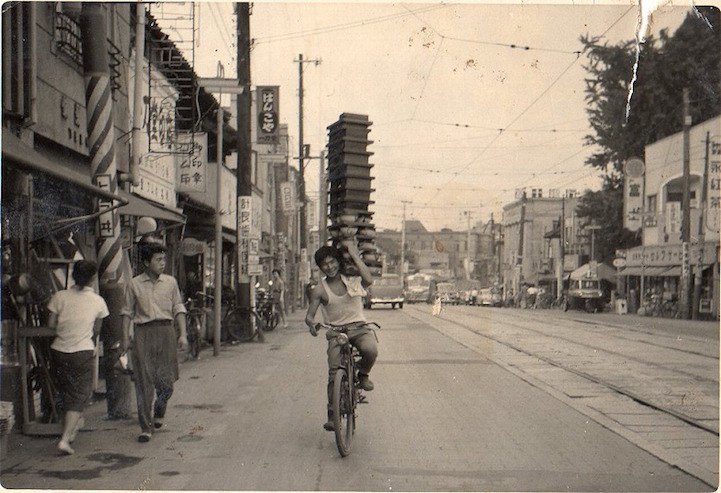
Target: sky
[[469, 102]]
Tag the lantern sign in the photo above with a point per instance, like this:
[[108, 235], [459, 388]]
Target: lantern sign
[[633, 194], [268, 125], [713, 193]]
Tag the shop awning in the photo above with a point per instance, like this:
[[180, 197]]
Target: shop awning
[[137, 206], [672, 271], [24, 156]]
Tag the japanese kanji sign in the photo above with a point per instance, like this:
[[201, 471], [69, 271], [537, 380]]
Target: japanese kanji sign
[[249, 223], [713, 194], [106, 228], [191, 162], [633, 194], [267, 104]]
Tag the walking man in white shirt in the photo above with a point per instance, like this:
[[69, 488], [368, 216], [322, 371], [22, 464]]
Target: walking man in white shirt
[[153, 303]]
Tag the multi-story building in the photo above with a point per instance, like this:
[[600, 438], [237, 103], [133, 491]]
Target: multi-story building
[[656, 266], [529, 253]]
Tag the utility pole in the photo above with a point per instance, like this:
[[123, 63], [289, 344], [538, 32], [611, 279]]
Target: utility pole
[[403, 241], [561, 248], [244, 188], [686, 209], [496, 273], [468, 245], [701, 235], [322, 200], [301, 152], [519, 256]]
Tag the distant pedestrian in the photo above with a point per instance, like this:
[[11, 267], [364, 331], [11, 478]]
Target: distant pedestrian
[[76, 314], [153, 303], [278, 295]]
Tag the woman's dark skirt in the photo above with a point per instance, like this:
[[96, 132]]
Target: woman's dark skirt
[[73, 375]]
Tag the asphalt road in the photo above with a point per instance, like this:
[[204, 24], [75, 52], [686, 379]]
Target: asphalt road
[[443, 416]]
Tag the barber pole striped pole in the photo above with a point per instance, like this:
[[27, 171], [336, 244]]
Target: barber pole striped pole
[[101, 138]]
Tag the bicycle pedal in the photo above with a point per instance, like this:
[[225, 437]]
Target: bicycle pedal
[[362, 400]]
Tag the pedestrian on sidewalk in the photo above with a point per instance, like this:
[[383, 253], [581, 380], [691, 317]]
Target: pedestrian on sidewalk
[[154, 304], [76, 314], [341, 299], [278, 295]]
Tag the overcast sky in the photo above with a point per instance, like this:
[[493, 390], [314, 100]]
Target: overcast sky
[[461, 117]]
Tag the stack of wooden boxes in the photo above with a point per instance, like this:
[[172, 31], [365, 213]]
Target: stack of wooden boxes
[[349, 174]]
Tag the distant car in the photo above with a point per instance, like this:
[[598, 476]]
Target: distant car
[[489, 297], [448, 293], [387, 289]]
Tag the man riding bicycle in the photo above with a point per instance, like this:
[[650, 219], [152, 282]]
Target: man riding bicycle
[[341, 300]]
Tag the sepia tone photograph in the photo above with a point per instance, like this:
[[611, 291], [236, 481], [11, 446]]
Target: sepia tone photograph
[[371, 246]]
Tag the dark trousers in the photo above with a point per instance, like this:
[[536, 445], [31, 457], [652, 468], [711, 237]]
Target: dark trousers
[[155, 370], [364, 340]]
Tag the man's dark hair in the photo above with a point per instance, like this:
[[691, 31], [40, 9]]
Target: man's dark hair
[[83, 272], [278, 271], [327, 251], [147, 251]]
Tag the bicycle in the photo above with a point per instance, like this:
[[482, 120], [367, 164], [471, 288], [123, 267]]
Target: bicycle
[[268, 312], [194, 324], [242, 324], [346, 393]]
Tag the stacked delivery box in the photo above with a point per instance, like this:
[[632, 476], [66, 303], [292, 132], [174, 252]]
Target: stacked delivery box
[[349, 174]]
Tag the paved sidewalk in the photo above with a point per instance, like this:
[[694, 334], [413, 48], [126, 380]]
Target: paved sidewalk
[[98, 432]]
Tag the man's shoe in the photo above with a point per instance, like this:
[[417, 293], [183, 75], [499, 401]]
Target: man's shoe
[[329, 426], [144, 437], [364, 382], [158, 423]]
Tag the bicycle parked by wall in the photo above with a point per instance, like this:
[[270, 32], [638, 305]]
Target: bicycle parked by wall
[[195, 323], [267, 309], [347, 393], [242, 324]]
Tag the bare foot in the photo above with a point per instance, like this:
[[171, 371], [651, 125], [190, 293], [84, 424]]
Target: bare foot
[[65, 448]]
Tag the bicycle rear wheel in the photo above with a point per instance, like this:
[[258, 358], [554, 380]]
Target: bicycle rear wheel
[[272, 320], [242, 325], [193, 330], [343, 412]]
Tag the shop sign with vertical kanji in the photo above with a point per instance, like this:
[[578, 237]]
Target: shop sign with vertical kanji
[[633, 194], [192, 162], [267, 103], [713, 203], [249, 218], [106, 223], [287, 196]]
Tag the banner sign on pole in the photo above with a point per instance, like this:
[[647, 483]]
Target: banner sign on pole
[[633, 194], [287, 196], [192, 162], [249, 218], [713, 194], [106, 225], [268, 124]]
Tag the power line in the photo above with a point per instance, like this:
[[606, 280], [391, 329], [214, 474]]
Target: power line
[[338, 27]]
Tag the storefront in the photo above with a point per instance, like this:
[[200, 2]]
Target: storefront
[[653, 278]]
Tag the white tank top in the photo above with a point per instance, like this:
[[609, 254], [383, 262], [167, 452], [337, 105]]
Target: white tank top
[[342, 310]]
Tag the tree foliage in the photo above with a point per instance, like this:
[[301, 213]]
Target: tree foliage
[[666, 65], [689, 59]]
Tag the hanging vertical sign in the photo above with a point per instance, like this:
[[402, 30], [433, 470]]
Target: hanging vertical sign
[[106, 224], [249, 224], [192, 162], [713, 193], [267, 103], [633, 194], [287, 196]]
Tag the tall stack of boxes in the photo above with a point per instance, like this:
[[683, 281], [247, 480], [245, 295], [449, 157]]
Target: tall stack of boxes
[[349, 174]]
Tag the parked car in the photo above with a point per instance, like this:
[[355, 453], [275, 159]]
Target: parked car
[[387, 289], [489, 297], [448, 293]]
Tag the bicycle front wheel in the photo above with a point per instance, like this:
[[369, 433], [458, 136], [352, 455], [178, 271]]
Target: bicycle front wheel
[[343, 412], [242, 325], [273, 318]]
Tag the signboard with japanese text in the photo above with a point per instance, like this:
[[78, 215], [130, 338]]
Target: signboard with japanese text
[[287, 196], [673, 220], [106, 224], [668, 255], [156, 140], [713, 194], [268, 122], [191, 162], [249, 223], [633, 194], [228, 200]]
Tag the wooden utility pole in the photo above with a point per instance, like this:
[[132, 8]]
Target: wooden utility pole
[[244, 187], [686, 209], [698, 274], [403, 242]]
